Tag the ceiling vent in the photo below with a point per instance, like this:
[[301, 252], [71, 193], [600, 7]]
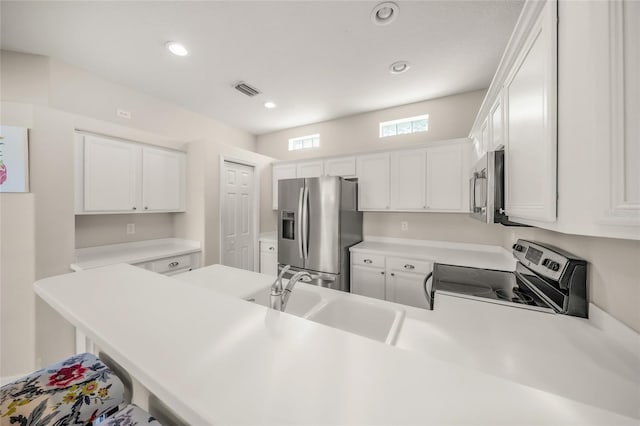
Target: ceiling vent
[[246, 89]]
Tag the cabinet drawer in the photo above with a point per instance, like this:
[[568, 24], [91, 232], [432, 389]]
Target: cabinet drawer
[[409, 265], [170, 264], [367, 259], [268, 247]]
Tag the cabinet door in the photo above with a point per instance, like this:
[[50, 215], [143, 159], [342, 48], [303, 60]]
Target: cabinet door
[[285, 171], [447, 187], [405, 281], [496, 118], [406, 288], [368, 281], [485, 136], [373, 182], [268, 259], [310, 169], [163, 180], [531, 94], [408, 180], [111, 175], [345, 167]]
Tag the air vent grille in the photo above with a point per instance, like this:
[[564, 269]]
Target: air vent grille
[[246, 89]]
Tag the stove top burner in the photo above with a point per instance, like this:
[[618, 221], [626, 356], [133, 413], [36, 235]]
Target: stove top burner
[[515, 295]]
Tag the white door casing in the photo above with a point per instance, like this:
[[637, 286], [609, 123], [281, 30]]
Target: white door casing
[[237, 215]]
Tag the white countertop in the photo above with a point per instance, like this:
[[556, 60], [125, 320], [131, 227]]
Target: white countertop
[[462, 254], [136, 252], [217, 359], [268, 237]]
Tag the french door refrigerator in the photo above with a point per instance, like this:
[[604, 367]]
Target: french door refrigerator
[[318, 220]]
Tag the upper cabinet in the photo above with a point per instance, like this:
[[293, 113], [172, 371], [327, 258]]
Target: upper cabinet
[[447, 168], [373, 181], [531, 96], [116, 176], [430, 178], [343, 166], [408, 180], [308, 169], [568, 86], [163, 180]]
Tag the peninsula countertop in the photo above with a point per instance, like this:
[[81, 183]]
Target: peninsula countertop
[[216, 359]]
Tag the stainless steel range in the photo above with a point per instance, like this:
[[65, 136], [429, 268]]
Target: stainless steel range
[[546, 279]]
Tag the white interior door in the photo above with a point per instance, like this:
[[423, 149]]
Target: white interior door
[[238, 211]]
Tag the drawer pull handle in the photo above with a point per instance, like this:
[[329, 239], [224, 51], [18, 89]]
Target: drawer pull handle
[[381, 272], [368, 261], [408, 266], [173, 264], [393, 275]]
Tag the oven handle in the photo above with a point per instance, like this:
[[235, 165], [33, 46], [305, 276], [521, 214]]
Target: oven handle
[[427, 293]]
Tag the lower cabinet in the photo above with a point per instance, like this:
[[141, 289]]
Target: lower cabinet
[[395, 279], [268, 258], [172, 265]]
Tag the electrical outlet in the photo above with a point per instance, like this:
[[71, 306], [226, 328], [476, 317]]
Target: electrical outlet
[[123, 114], [131, 228], [404, 226]]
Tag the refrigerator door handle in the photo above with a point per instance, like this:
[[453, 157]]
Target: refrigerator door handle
[[305, 222], [299, 221]]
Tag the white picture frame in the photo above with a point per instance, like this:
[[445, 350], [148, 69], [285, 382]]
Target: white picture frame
[[14, 159]]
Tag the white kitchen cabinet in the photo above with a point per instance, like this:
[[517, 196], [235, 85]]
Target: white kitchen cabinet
[[309, 169], [496, 119], [111, 174], [531, 148], [116, 176], [485, 136], [446, 183], [268, 258], [163, 180], [280, 172], [395, 279], [373, 182], [405, 281], [368, 281], [343, 166], [408, 179]]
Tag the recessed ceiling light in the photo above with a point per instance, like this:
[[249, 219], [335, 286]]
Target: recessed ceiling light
[[269, 105], [384, 13], [176, 48], [399, 67]]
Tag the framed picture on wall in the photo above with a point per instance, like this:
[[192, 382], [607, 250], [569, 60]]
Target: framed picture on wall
[[14, 159]]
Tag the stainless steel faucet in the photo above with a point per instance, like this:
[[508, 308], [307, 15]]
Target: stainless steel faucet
[[280, 296]]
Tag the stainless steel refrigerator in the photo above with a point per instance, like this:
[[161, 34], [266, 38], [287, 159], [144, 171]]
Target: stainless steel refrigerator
[[318, 220]]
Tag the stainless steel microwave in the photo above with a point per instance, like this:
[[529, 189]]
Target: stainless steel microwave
[[487, 190]]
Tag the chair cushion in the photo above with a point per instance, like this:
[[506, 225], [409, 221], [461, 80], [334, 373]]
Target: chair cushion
[[131, 416], [74, 391]]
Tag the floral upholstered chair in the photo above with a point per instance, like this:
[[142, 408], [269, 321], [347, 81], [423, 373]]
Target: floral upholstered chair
[[75, 391], [131, 416]]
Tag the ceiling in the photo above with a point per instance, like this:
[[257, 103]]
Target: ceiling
[[317, 60]]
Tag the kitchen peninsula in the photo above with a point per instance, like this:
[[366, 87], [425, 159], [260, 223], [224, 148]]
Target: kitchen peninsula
[[214, 358]]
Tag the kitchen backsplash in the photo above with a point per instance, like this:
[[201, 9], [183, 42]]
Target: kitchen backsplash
[[97, 230]]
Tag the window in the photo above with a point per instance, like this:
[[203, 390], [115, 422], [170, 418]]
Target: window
[[304, 142], [404, 126]]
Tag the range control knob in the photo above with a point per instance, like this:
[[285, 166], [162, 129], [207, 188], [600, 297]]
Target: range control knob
[[550, 264], [518, 247]]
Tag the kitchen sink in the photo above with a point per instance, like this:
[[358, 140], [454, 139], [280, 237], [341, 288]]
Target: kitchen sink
[[359, 317], [300, 301]]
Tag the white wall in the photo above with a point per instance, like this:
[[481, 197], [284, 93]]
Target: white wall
[[55, 99], [17, 273]]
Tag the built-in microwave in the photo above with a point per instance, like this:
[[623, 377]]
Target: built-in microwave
[[486, 190]]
